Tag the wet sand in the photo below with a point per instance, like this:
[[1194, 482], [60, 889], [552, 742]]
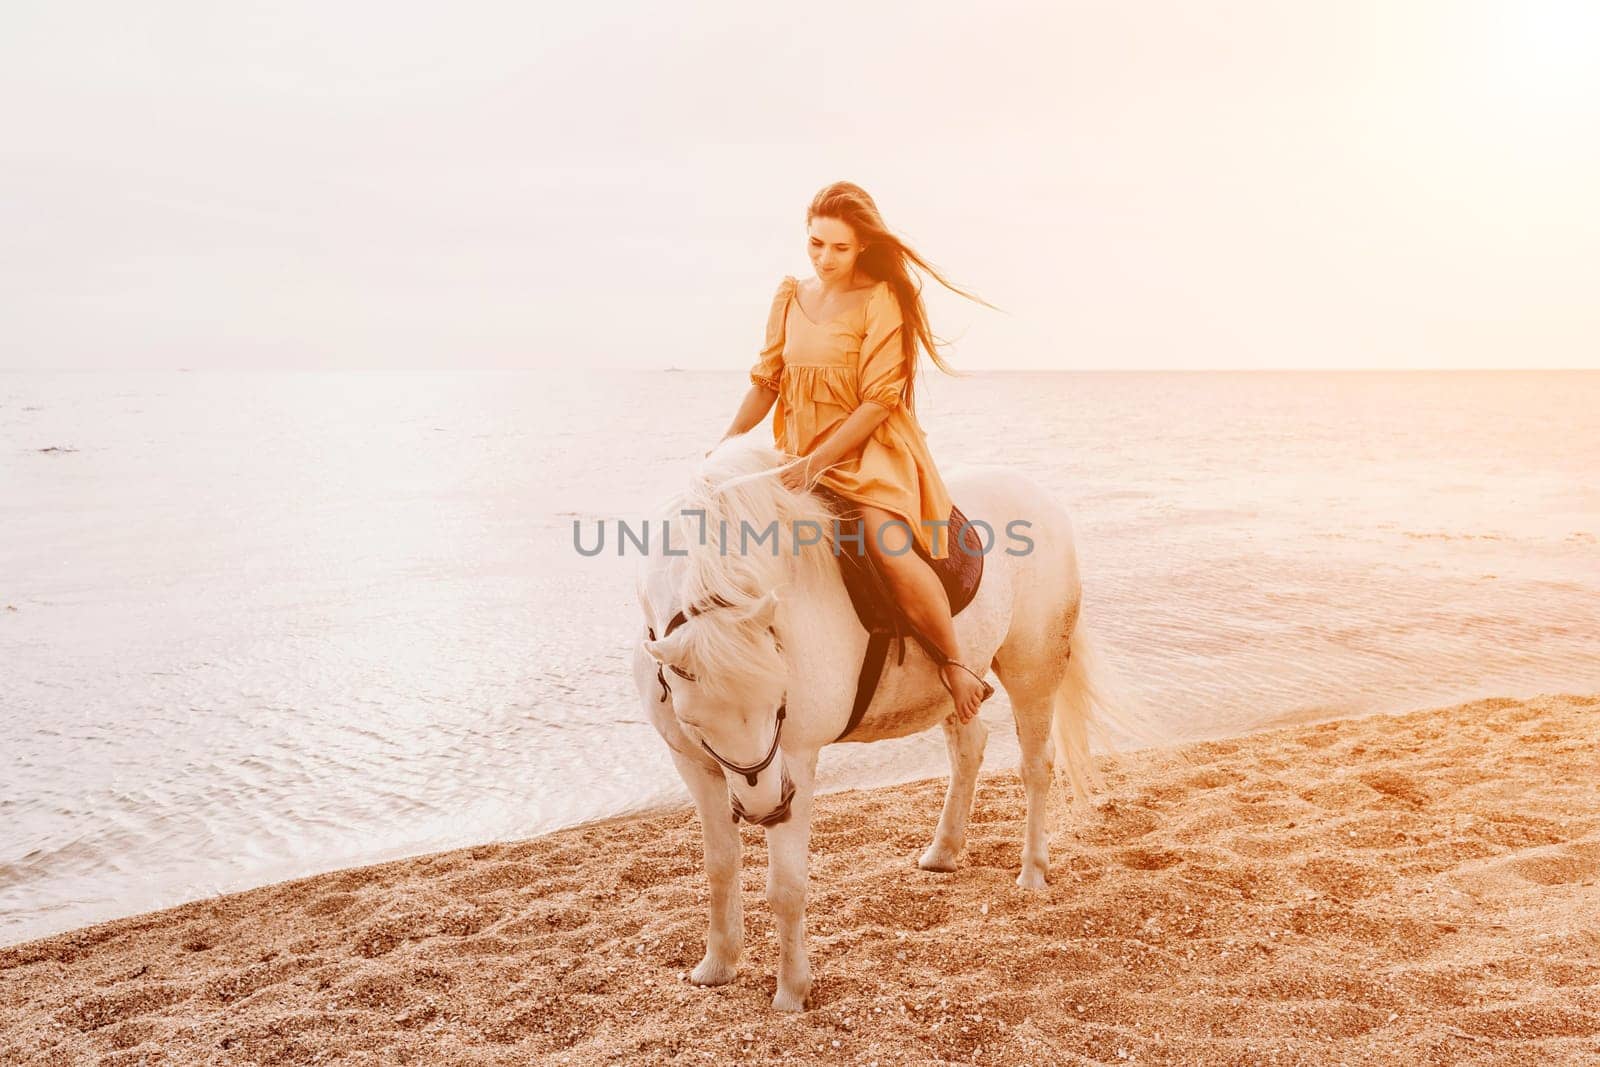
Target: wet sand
[[1417, 888]]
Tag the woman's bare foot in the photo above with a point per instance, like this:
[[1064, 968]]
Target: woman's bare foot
[[965, 689]]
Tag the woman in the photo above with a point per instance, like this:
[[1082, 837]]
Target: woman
[[839, 359]]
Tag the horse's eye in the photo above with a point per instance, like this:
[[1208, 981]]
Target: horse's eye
[[680, 672]]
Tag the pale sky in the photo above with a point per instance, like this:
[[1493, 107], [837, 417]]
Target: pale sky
[[1233, 184]]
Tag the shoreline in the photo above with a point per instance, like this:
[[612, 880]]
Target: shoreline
[[1419, 884]]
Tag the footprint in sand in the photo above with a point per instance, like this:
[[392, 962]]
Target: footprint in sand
[[1148, 859], [1574, 863], [1563, 866]]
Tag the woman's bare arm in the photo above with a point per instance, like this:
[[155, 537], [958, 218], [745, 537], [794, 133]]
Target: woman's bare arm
[[848, 437], [758, 400]]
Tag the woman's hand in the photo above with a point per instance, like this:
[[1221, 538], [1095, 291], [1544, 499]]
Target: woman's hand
[[797, 476]]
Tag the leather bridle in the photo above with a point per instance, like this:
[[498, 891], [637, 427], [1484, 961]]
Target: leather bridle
[[781, 812]]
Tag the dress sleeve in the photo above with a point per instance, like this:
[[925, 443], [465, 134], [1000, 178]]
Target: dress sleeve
[[883, 362], [770, 363]]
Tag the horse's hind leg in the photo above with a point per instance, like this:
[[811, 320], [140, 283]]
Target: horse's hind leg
[[725, 934], [1031, 665], [1033, 715], [965, 743]]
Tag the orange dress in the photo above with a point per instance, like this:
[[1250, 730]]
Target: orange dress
[[824, 371]]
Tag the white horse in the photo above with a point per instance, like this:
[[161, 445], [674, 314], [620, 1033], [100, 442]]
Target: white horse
[[747, 687]]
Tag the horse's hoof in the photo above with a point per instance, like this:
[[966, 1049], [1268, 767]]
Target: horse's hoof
[[713, 972], [1033, 877], [782, 1001], [939, 858]]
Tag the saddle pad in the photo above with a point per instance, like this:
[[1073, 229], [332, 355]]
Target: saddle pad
[[959, 572]]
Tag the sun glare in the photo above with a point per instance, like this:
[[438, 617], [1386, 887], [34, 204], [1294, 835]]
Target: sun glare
[[1547, 56]]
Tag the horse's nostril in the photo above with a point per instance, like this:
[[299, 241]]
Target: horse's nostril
[[774, 817]]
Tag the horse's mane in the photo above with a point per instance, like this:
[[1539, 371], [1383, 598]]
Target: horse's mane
[[738, 483]]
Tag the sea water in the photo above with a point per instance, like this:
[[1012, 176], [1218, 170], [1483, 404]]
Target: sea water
[[259, 625]]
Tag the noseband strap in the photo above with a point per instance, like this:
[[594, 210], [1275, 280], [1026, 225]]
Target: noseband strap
[[771, 818], [754, 769]]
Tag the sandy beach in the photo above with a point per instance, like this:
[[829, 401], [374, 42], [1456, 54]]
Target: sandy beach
[[1413, 888]]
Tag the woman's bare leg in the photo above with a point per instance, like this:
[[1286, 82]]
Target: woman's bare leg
[[921, 596]]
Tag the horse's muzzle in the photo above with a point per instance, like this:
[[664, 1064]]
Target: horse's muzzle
[[773, 817]]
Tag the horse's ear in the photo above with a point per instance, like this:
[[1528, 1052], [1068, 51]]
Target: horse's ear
[[667, 649], [764, 610]]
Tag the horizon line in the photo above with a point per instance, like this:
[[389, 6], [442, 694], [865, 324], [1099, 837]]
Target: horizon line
[[568, 371]]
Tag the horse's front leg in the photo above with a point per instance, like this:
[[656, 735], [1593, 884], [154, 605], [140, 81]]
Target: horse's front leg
[[788, 871], [725, 933]]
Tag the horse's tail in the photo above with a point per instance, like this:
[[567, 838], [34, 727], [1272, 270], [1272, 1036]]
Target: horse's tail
[[1091, 698]]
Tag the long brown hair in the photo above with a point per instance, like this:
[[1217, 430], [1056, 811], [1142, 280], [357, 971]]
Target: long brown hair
[[887, 258]]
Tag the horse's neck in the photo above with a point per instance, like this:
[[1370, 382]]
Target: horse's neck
[[823, 636]]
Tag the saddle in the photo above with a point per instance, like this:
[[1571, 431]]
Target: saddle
[[960, 572]]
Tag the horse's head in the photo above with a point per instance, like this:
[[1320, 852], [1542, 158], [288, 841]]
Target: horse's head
[[723, 671], [721, 665]]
